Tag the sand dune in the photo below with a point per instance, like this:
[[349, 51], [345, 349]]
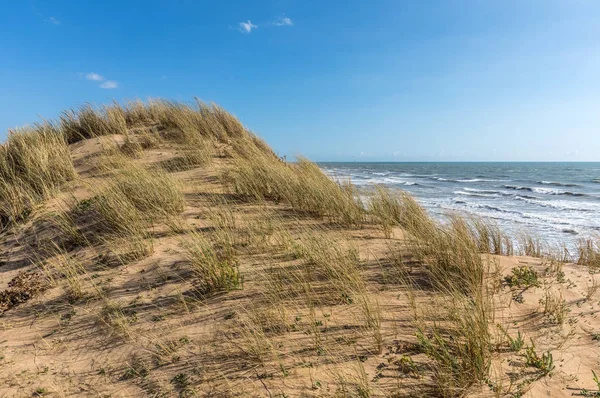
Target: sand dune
[[178, 256]]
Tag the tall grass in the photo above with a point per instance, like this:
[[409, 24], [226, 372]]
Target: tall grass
[[67, 268], [260, 175], [215, 270], [389, 209], [589, 252], [178, 122], [490, 237], [453, 327], [530, 245], [331, 261], [131, 200], [34, 163], [153, 193], [386, 208], [458, 341], [89, 122]]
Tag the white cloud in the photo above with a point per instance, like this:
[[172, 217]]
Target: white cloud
[[54, 21], [246, 27], [283, 21], [94, 76], [110, 84]]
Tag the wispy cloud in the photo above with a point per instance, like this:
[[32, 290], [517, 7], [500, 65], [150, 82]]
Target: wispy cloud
[[246, 27], [53, 21], [94, 76], [109, 84], [283, 21]]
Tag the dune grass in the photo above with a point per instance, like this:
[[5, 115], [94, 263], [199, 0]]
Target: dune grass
[[34, 163], [131, 201], [214, 270], [178, 122], [386, 209], [589, 252], [89, 122], [453, 328], [260, 175], [67, 268]]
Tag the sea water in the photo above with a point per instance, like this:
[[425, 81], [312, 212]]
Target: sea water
[[557, 202]]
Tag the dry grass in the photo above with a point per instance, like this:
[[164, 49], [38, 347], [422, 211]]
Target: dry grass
[[452, 256], [89, 122], [555, 306], [214, 270], [117, 320], [185, 124], [126, 204], [453, 328], [327, 272], [458, 341], [261, 176], [490, 238], [589, 253], [134, 197], [34, 163], [386, 208], [155, 194], [530, 245], [67, 268]]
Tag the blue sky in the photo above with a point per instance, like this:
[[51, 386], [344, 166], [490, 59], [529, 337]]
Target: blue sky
[[333, 80]]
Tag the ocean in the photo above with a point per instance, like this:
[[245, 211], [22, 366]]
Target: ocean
[[557, 202]]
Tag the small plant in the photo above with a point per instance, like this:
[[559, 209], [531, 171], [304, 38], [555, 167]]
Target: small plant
[[555, 307], [137, 368], [545, 363], [587, 393], [597, 380], [518, 298], [181, 380], [230, 315], [184, 340], [40, 391], [592, 289], [522, 276], [117, 319], [407, 366], [515, 344], [284, 371]]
